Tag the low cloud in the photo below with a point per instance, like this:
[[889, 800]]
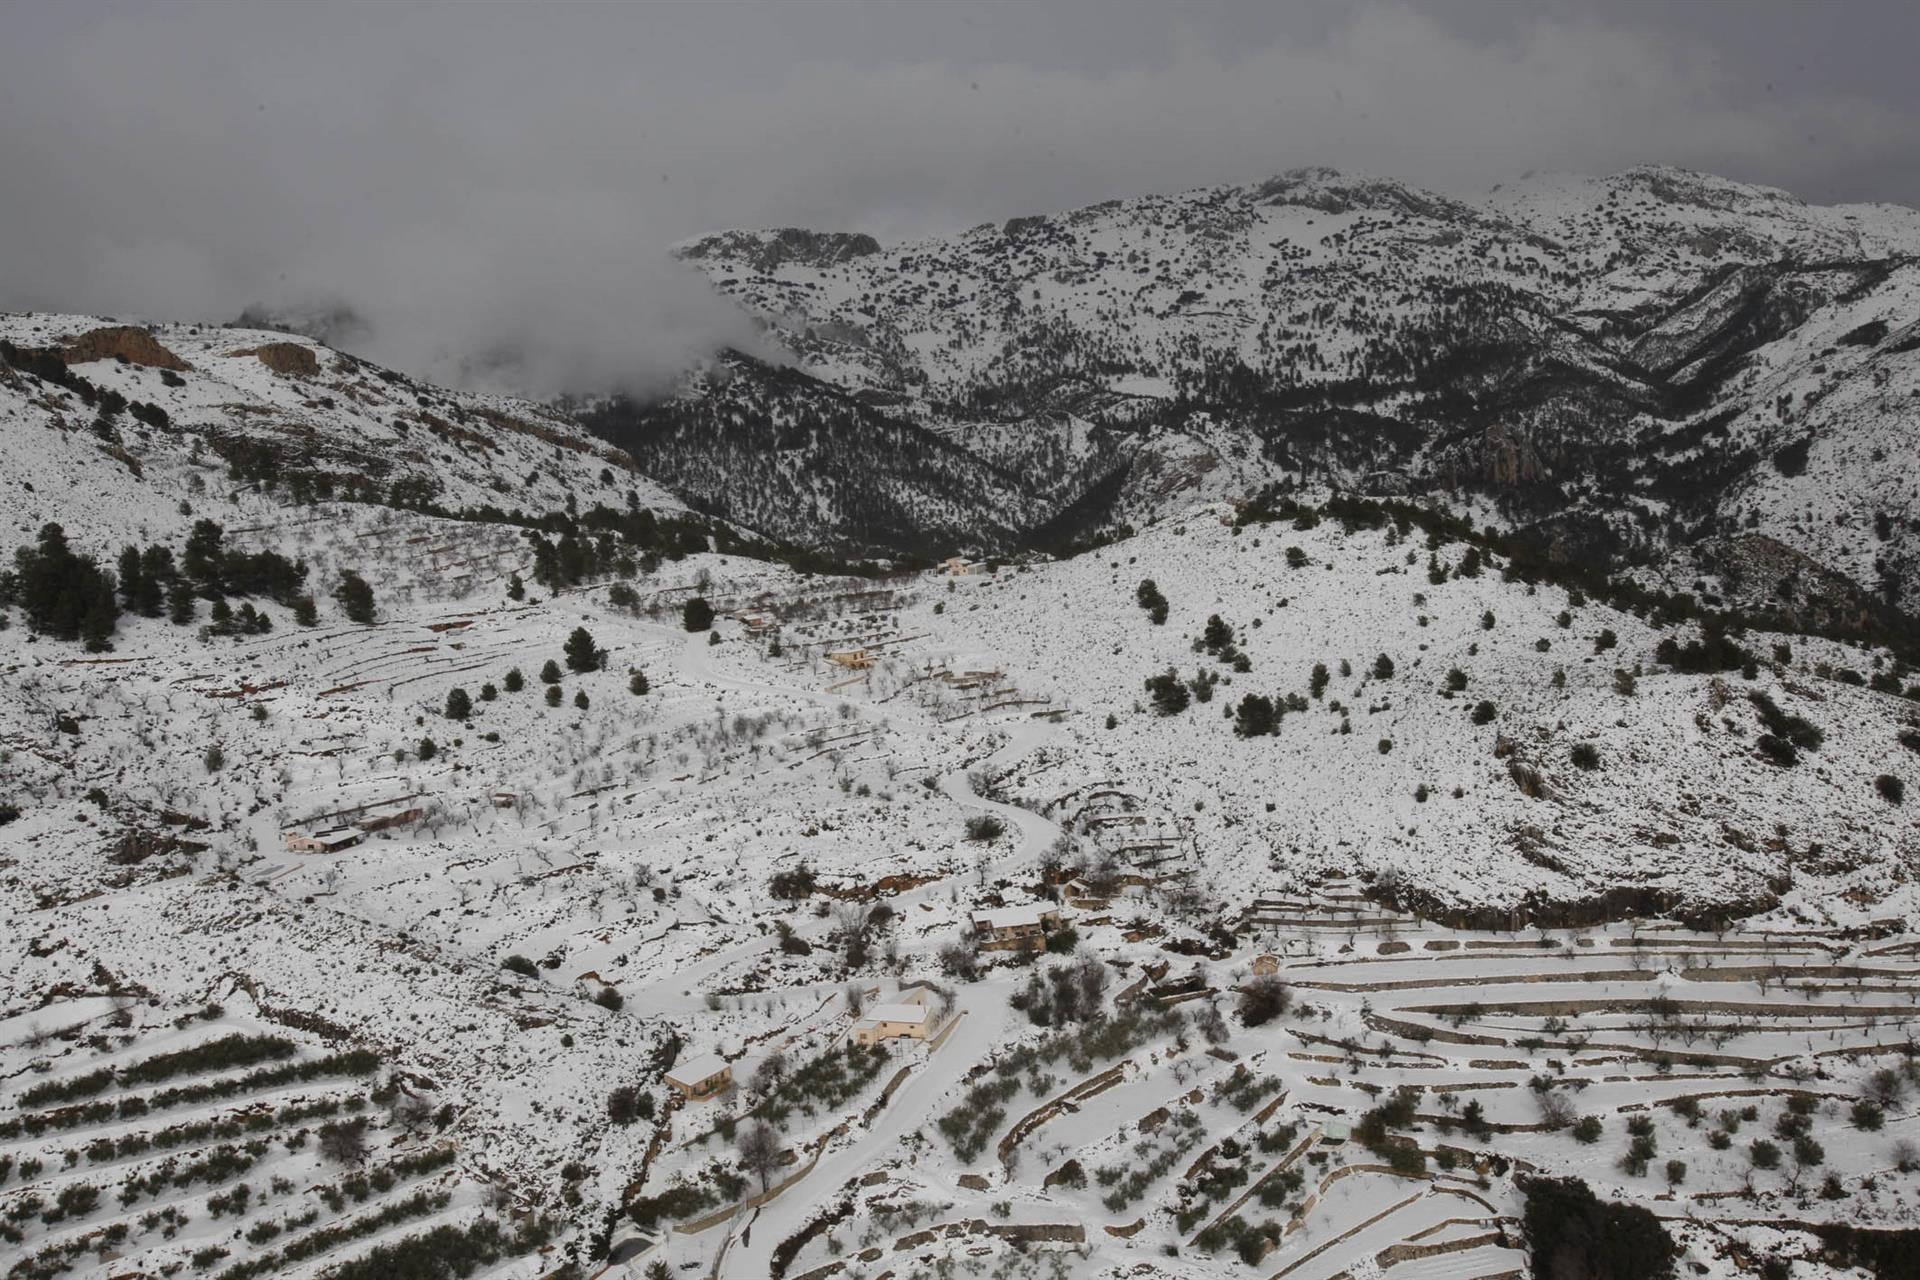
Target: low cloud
[[496, 189]]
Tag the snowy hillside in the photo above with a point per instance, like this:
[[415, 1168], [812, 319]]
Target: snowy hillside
[[1464, 789], [220, 409], [1620, 366], [403, 921]]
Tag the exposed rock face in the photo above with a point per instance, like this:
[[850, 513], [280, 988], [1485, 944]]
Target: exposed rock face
[[1511, 459], [121, 342], [290, 359]]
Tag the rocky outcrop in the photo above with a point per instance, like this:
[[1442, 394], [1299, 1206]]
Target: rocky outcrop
[[1331, 191], [1511, 458], [1765, 577], [288, 359], [125, 342]]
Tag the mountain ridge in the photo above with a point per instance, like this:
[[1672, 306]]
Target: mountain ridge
[[1613, 366]]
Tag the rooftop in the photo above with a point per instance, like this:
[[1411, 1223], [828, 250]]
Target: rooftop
[[1009, 917], [896, 1013], [694, 1070]]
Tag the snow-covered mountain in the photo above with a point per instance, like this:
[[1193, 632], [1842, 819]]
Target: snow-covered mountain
[[1643, 369], [1484, 622], [112, 428], [351, 932]]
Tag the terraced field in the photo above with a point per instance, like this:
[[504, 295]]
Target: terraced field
[[1749, 1088], [132, 1143]]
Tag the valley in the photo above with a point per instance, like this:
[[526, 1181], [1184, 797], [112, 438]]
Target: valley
[[875, 827]]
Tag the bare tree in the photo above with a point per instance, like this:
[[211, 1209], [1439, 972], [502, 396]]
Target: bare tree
[[760, 1151], [344, 1143], [410, 1111], [1214, 1027], [1556, 1109], [960, 960]]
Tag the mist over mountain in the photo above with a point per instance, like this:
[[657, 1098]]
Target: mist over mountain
[[860, 641]]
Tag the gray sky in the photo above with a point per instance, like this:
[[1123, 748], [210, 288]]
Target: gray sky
[[489, 176]]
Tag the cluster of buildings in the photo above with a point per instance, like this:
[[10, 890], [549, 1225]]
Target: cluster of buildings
[[1015, 928], [330, 836]]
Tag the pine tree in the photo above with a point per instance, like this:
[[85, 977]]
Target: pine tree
[[546, 565], [1317, 682], [1218, 634], [550, 672], [1383, 667], [1255, 716], [180, 604], [130, 576], [696, 614], [1148, 594], [96, 628], [1168, 692], [514, 682], [516, 589], [637, 684], [304, 611], [580, 653], [65, 595], [202, 559], [459, 705], [355, 597], [156, 574]]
